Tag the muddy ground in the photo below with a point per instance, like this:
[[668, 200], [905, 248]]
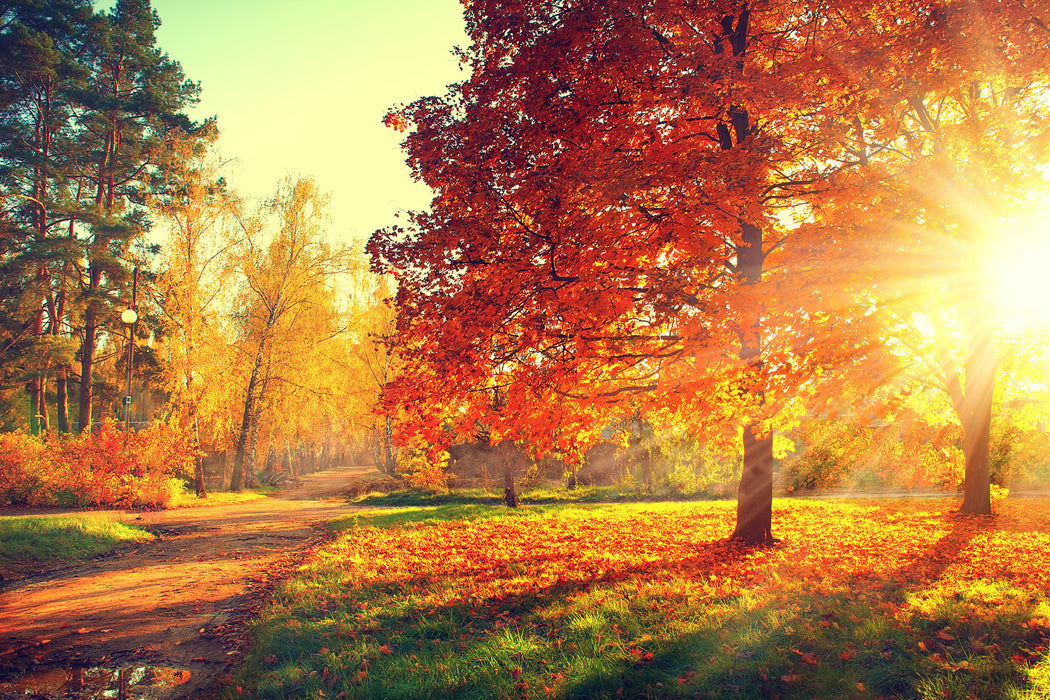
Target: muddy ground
[[165, 619]]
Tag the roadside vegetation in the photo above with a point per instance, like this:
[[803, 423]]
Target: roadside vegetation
[[862, 599], [31, 542]]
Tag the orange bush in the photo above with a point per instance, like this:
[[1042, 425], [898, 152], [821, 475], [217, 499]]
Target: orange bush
[[20, 472], [107, 468]]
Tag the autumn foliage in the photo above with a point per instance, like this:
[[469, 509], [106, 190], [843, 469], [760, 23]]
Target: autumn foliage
[[107, 468], [729, 210], [864, 599]]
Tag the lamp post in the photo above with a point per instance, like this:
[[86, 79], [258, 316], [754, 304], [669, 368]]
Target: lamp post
[[130, 317]]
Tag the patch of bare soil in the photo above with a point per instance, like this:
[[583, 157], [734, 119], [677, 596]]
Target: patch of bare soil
[[167, 619]]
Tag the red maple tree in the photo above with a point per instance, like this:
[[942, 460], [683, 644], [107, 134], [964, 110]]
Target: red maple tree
[[640, 205]]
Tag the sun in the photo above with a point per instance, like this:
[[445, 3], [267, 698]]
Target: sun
[[1020, 273]]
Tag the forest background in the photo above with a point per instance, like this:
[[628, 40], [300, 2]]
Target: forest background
[[760, 244]]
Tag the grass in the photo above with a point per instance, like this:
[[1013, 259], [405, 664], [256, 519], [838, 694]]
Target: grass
[[26, 542], [861, 600], [188, 499], [535, 495]]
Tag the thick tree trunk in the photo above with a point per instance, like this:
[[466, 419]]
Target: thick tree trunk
[[755, 494], [510, 493], [754, 498], [976, 413], [33, 389]]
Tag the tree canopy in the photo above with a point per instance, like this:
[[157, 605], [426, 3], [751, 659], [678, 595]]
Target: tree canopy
[[701, 207]]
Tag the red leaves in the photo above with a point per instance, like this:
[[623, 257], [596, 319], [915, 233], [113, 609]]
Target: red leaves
[[809, 657], [103, 468], [395, 120], [641, 656]]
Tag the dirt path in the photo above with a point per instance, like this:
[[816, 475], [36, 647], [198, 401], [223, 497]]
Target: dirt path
[[165, 620]]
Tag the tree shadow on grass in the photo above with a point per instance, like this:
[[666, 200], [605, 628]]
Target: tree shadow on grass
[[627, 640]]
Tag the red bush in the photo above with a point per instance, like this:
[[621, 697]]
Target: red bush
[[107, 468]]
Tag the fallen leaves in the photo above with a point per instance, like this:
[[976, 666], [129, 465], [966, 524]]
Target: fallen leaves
[[853, 586]]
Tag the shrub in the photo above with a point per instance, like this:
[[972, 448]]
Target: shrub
[[20, 468], [107, 468]]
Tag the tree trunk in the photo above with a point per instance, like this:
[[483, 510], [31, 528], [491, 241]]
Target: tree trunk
[[286, 465], [976, 413], [244, 435], [198, 460], [45, 420], [510, 493], [389, 458], [250, 462], [755, 494], [62, 372], [754, 498], [33, 389], [87, 363], [62, 399]]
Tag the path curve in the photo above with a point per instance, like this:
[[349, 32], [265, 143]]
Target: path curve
[[164, 620]]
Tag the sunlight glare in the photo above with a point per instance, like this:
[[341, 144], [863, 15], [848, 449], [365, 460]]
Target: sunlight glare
[[1021, 275]]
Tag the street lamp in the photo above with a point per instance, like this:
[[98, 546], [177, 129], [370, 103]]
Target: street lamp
[[129, 317]]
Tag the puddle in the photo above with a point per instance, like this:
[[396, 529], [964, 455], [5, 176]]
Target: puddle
[[98, 683]]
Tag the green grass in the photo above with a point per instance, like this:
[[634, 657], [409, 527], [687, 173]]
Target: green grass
[[536, 495], [649, 600], [31, 541]]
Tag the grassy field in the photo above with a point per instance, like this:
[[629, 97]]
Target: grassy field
[[27, 542], [861, 599]]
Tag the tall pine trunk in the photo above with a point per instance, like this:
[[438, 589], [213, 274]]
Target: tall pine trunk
[[87, 363], [62, 398], [61, 371]]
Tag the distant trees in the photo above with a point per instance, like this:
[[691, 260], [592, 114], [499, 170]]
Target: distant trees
[[288, 310]]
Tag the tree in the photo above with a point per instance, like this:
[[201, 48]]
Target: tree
[[41, 49], [956, 143], [286, 283], [133, 102], [626, 219], [197, 210]]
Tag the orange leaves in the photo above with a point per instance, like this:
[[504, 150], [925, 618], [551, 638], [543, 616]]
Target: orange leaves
[[107, 467], [881, 547], [396, 120], [808, 658]]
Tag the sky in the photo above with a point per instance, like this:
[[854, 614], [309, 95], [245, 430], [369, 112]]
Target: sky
[[300, 89]]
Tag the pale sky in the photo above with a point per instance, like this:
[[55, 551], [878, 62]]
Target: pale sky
[[300, 88]]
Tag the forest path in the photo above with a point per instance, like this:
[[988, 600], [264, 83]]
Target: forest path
[[165, 619]]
